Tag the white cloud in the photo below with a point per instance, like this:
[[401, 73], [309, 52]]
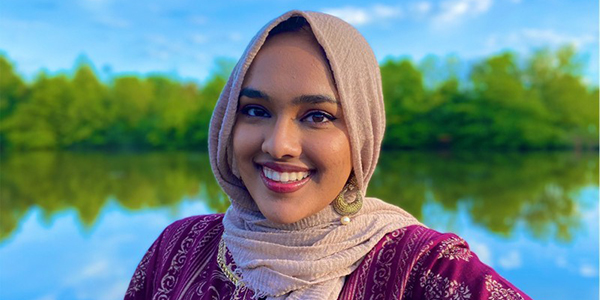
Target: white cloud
[[483, 252], [362, 16], [525, 40], [199, 38], [17, 25], [452, 11], [384, 11], [113, 291], [112, 22], [550, 37], [160, 47], [157, 39], [198, 20], [422, 7], [102, 12], [159, 54], [588, 271], [511, 260], [491, 42], [352, 15], [562, 262], [47, 297], [441, 15], [95, 269], [235, 36]]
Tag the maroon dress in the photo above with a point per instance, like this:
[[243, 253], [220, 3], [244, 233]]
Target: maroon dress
[[409, 263]]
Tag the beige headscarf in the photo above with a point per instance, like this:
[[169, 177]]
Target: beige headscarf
[[310, 258]]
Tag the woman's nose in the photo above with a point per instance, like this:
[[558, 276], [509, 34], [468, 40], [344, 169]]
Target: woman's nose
[[283, 140]]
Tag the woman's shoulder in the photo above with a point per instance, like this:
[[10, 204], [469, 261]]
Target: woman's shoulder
[[416, 261], [197, 230], [410, 238], [198, 220], [198, 223], [175, 255], [423, 238]]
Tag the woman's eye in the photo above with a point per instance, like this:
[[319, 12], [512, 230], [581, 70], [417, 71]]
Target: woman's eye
[[254, 111], [319, 117]]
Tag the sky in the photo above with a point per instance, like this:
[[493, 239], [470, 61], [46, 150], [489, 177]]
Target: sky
[[184, 38]]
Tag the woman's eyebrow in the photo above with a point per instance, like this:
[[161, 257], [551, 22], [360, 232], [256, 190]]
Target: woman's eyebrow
[[304, 99], [314, 99], [255, 94]]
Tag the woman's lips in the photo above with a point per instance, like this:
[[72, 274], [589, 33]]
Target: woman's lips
[[283, 187]]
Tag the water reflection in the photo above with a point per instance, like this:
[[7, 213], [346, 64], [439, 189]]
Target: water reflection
[[85, 182], [500, 190]]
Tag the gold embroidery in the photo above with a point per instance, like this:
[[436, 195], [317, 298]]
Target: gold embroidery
[[454, 248], [223, 266], [442, 288], [497, 292]]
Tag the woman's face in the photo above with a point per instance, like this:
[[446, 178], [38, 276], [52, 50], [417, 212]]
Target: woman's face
[[290, 140]]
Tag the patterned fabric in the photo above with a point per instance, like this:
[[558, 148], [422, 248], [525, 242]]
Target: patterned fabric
[[410, 263]]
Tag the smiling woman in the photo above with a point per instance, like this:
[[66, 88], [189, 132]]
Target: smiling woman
[[290, 139], [294, 141]]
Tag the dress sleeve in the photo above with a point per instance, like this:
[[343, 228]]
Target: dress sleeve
[[164, 264], [141, 284], [447, 269]]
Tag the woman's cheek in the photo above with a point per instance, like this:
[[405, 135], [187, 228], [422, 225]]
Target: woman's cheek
[[331, 151], [242, 141]]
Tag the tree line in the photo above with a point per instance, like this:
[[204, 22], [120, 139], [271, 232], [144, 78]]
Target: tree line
[[501, 191], [504, 102]]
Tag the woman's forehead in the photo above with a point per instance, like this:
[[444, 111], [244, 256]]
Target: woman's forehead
[[291, 63]]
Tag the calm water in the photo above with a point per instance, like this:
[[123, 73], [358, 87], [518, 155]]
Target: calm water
[[74, 226]]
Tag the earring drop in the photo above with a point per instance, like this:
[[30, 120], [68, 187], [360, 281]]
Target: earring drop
[[344, 208], [345, 220]]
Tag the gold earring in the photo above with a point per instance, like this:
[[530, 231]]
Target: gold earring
[[344, 208]]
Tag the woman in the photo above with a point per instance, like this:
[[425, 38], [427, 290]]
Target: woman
[[294, 140]]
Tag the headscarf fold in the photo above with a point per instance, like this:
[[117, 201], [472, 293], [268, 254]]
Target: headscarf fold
[[310, 258]]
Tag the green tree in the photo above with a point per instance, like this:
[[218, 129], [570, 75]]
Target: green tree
[[207, 99], [510, 115], [573, 107], [38, 122], [12, 92], [87, 116], [130, 98], [404, 96]]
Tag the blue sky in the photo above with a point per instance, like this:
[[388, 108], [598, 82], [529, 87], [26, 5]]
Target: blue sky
[[183, 38]]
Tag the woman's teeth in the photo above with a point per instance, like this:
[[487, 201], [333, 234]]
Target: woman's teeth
[[284, 176]]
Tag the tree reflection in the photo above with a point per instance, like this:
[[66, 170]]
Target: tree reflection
[[86, 182], [500, 191]]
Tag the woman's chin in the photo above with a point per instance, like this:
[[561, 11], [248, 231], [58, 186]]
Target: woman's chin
[[282, 219], [283, 215]]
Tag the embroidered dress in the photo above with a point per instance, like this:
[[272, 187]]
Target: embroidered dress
[[413, 262]]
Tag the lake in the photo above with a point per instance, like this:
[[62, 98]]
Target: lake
[[75, 225]]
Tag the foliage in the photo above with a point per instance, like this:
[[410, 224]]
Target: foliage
[[541, 102], [129, 113], [500, 192]]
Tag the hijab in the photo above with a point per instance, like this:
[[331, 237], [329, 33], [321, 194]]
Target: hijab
[[308, 259]]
